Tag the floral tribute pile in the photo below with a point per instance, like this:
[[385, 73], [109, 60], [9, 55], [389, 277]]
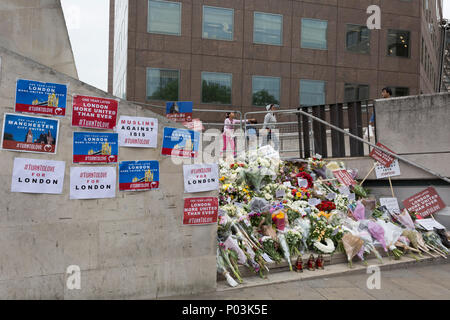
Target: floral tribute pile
[[273, 211]]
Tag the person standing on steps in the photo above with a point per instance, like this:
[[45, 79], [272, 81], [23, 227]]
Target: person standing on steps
[[269, 126]]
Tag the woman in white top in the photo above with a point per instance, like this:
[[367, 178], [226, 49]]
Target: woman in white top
[[269, 125]]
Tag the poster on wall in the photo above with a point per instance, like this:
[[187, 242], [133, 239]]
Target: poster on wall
[[138, 175], [180, 142], [95, 147], [41, 97], [38, 176], [385, 172], [29, 134], [179, 111], [425, 203], [201, 177], [137, 132], [94, 112], [202, 210], [92, 182]]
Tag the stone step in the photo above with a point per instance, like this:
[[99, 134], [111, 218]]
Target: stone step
[[331, 270]]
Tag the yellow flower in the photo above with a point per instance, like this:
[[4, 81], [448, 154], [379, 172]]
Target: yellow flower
[[298, 194], [222, 178]]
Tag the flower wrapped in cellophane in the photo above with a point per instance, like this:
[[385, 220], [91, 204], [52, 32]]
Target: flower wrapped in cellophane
[[285, 248], [352, 246], [222, 269], [270, 247]]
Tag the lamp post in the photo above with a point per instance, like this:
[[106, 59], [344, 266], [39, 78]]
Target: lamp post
[[444, 24]]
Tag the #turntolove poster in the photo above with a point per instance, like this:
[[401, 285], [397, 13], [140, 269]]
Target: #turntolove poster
[[383, 158], [201, 177], [344, 177], [137, 132], [138, 175], [37, 176], [41, 97], [201, 210], [179, 111], [95, 147], [180, 142], [94, 112], [29, 134], [92, 182], [425, 203]]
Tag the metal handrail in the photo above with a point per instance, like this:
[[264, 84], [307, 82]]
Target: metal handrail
[[375, 146]]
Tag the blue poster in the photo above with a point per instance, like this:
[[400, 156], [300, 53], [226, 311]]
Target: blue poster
[[95, 147], [179, 111], [138, 175], [41, 97], [32, 134], [180, 142]]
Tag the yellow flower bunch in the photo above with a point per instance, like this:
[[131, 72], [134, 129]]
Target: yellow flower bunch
[[222, 178]]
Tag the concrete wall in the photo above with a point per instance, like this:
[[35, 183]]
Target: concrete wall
[[37, 29], [133, 246]]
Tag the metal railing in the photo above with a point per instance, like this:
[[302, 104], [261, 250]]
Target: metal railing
[[299, 135]]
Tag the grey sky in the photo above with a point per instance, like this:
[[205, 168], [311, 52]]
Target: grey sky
[[88, 25]]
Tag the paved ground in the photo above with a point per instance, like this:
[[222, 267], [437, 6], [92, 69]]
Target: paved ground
[[418, 282]]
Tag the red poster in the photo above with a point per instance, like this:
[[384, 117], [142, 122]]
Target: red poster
[[94, 112], [344, 177], [425, 202], [201, 210], [383, 158]]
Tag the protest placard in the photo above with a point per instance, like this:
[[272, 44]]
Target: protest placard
[[180, 142], [344, 177], [138, 175], [30, 134], [137, 132], [38, 176], [383, 158], [385, 172], [391, 204], [179, 111], [425, 202], [92, 182], [41, 97], [201, 210], [95, 147], [201, 177], [94, 112]]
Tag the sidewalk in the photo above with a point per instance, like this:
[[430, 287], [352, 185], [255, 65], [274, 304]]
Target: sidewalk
[[414, 282]]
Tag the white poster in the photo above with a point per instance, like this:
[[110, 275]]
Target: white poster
[[429, 224], [38, 176], [201, 177], [392, 171], [391, 204], [92, 182], [137, 132]]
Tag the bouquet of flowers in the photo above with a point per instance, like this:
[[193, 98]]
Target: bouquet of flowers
[[307, 177], [352, 246], [221, 268], [300, 194], [285, 249], [327, 206], [269, 246], [294, 241]]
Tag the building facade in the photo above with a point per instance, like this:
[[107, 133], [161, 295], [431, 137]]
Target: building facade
[[243, 54]]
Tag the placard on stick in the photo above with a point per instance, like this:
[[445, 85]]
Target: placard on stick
[[383, 158], [344, 177], [425, 203]]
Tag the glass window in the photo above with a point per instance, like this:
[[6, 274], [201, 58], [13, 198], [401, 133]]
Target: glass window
[[358, 39], [216, 88], [312, 92], [266, 90], [164, 17], [268, 28], [400, 92], [356, 92], [398, 43], [162, 84], [314, 34], [217, 23]]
